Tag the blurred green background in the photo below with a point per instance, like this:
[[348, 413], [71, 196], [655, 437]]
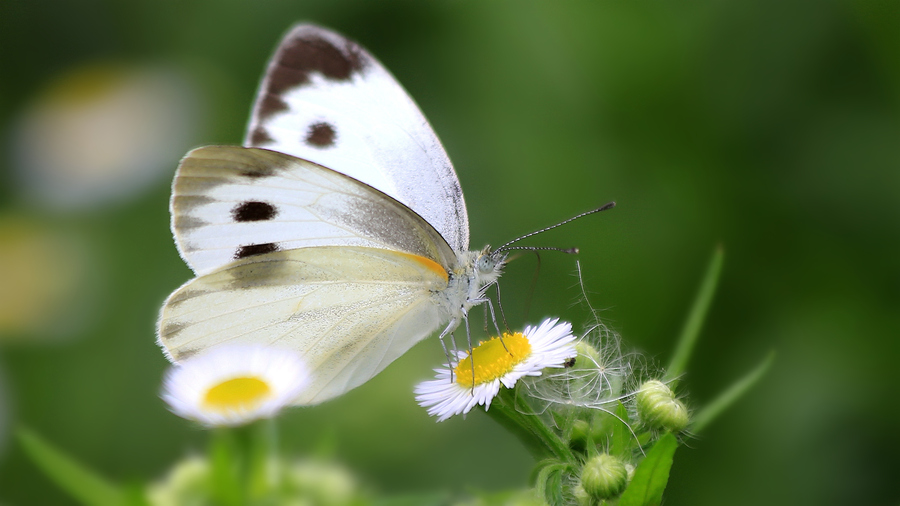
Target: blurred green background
[[768, 126]]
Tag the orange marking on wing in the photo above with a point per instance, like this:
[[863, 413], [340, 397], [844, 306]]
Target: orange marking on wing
[[428, 264]]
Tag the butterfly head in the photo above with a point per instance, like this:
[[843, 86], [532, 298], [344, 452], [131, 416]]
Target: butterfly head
[[489, 265]]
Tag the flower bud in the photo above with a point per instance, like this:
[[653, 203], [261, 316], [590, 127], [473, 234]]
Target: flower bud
[[320, 482], [187, 483], [604, 477], [588, 356], [579, 435], [582, 498], [659, 409]]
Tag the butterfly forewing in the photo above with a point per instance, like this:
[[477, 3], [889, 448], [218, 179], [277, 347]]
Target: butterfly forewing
[[325, 99], [348, 311], [230, 203], [339, 232]]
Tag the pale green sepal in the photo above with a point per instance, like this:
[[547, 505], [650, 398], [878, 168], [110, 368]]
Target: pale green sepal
[[694, 322], [549, 482], [78, 481], [712, 410], [651, 475]]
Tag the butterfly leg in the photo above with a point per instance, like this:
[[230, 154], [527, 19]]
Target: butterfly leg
[[487, 301], [469, 341], [500, 306], [449, 330]]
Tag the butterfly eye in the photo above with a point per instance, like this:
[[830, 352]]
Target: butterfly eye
[[485, 263]]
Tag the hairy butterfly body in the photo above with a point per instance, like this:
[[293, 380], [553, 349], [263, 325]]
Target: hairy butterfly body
[[339, 232]]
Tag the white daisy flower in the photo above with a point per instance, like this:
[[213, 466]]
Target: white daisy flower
[[234, 385], [496, 362]]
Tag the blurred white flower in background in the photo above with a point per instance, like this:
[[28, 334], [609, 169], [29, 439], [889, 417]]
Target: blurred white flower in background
[[103, 132]]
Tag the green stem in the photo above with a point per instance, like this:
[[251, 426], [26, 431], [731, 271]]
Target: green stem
[[263, 455], [530, 429], [224, 457], [694, 323], [242, 460], [730, 396]]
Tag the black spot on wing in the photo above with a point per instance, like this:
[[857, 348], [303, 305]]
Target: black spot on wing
[[320, 135], [271, 104], [260, 136], [309, 52], [253, 211], [255, 249]]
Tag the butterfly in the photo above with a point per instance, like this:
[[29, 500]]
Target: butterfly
[[339, 231]]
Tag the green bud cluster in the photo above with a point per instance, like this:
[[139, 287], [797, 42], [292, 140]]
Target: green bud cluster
[[603, 477], [188, 482], [658, 408], [297, 483]]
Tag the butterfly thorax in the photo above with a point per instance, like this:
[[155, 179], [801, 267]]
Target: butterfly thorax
[[475, 271]]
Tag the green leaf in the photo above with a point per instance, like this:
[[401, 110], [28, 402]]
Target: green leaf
[[549, 482], [83, 484], [611, 428], [622, 436], [651, 475], [691, 330], [135, 494], [644, 438], [730, 396]]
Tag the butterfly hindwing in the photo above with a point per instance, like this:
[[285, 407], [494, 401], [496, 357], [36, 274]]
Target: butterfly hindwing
[[326, 99], [230, 203], [347, 311]]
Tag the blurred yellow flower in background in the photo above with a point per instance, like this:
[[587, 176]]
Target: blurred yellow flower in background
[[45, 292]]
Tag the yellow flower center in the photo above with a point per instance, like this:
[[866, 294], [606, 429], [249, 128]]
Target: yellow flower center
[[244, 393], [493, 359]]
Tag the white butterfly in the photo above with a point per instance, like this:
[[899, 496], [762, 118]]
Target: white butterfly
[[349, 265]]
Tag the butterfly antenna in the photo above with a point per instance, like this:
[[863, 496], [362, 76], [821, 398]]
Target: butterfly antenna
[[604, 207], [569, 251]]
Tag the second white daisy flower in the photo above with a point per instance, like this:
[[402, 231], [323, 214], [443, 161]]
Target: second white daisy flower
[[497, 362], [234, 385]]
